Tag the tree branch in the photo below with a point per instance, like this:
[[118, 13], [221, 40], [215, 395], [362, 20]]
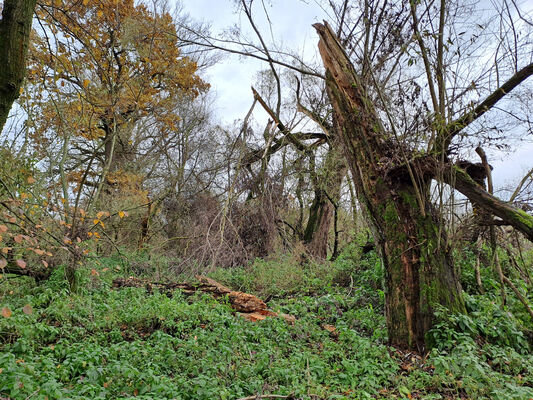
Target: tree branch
[[283, 129], [460, 180], [453, 128]]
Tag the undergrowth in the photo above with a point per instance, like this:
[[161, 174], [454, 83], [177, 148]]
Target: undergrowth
[[102, 343]]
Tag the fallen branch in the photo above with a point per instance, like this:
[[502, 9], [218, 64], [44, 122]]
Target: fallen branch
[[249, 306]]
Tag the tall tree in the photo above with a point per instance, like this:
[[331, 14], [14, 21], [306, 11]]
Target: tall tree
[[15, 28], [107, 81], [393, 182]]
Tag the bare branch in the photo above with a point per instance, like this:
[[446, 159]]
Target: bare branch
[[453, 128]]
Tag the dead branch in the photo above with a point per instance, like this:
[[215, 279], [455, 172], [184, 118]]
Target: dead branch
[[249, 306]]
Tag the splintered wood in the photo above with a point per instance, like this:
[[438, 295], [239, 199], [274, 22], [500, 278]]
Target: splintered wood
[[247, 305]]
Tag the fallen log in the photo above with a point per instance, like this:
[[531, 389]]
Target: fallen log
[[247, 305]]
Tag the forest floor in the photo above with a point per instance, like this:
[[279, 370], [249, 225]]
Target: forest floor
[[132, 343]]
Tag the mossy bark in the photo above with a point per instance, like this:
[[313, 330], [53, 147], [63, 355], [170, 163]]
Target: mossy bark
[[327, 192], [15, 28], [419, 273]]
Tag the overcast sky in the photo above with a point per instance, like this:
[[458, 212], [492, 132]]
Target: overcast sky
[[231, 79], [292, 26]]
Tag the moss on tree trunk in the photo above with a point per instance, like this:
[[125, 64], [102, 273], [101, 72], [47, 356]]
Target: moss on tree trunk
[[419, 273], [15, 28], [327, 191]]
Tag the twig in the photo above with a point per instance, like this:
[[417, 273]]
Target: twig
[[266, 396], [519, 295]]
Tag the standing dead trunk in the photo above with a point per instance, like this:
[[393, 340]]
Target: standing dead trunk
[[419, 273], [15, 28], [327, 190]]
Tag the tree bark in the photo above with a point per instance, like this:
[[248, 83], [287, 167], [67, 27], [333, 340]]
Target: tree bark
[[419, 273], [327, 191], [15, 29], [519, 219]]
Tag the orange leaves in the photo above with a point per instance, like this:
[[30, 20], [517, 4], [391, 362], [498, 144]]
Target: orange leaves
[[98, 222], [3, 229], [6, 312], [21, 263], [96, 235], [147, 52]]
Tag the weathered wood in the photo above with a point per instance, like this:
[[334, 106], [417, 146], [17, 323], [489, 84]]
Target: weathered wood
[[247, 305], [327, 193], [460, 180], [419, 273]]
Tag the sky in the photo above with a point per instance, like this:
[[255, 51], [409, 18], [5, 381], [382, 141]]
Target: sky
[[231, 79]]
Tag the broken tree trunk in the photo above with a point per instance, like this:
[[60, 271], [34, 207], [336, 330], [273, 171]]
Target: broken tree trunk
[[321, 214], [242, 302], [419, 273]]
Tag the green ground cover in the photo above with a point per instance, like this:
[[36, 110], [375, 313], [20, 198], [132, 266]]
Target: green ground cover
[[102, 343]]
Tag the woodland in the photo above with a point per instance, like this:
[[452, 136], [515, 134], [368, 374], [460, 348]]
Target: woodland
[[343, 238]]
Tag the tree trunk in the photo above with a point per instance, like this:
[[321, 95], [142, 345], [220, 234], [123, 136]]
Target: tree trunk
[[419, 273], [15, 28], [327, 191]]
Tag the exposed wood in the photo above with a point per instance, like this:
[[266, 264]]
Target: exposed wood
[[327, 184], [242, 302], [248, 305], [419, 273]]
